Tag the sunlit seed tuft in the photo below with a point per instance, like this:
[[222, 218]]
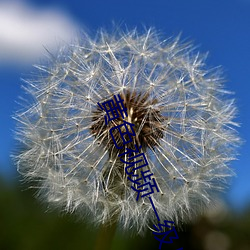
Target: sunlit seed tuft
[[184, 121]]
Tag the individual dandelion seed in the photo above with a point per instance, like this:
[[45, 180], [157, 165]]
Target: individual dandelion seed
[[183, 120]]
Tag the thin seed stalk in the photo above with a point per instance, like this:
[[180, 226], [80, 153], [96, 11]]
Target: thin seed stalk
[[105, 236]]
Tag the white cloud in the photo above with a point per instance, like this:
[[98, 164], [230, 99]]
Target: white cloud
[[25, 31]]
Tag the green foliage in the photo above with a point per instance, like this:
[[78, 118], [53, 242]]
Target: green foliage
[[25, 225]]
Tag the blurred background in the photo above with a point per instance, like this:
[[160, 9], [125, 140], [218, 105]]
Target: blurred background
[[29, 28]]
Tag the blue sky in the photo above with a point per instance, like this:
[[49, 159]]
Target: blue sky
[[221, 27]]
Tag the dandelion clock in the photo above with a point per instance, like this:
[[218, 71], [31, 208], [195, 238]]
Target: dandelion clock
[[127, 128]]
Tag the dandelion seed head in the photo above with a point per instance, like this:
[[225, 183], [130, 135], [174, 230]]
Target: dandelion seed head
[[183, 119]]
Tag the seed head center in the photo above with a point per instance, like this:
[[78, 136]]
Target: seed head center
[[148, 122]]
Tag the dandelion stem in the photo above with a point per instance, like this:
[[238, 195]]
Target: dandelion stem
[[105, 236]]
